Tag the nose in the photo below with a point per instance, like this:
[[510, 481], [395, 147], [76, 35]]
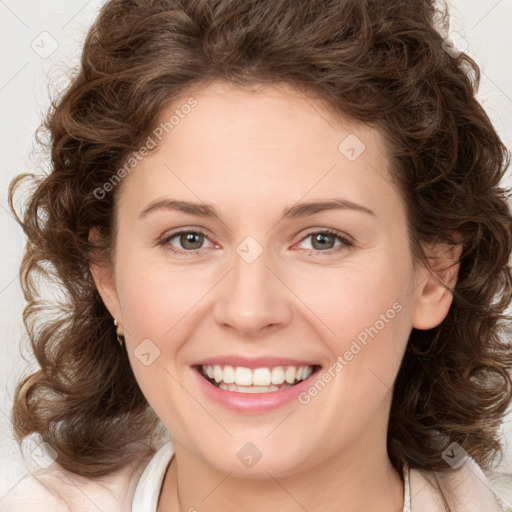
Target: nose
[[254, 300]]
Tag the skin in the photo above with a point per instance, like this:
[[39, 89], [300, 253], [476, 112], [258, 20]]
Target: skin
[[250, 154]]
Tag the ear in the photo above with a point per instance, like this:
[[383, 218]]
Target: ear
[[103, 275], [434, 296]]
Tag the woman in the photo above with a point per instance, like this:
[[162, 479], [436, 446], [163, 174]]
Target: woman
[[332, 337]]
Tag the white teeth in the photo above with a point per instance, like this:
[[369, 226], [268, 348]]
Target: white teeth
[[277, 375], [243, 376], [290, 374], [251, 389], [262, 377], [228, 375], [217, 373]]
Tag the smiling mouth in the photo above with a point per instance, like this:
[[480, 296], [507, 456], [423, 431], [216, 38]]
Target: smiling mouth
[[259, 380]]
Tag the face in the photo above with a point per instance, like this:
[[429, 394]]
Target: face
[[239, 271]]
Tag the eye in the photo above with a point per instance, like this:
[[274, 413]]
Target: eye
[[325, 240], [190, 241]]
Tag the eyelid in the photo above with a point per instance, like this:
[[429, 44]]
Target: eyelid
[[346, 240], [331, 231], [173, 234]]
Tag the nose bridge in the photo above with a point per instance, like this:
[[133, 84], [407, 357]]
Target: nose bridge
[[253, 297]]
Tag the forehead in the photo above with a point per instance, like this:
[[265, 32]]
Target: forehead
[[269, 142], [270, 114]]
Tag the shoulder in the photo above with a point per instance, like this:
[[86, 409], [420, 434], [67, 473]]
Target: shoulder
[[501, 485], [58, 490], [30, 494], [464, 489]]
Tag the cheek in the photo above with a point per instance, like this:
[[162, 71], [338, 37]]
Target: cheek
[[162, 307], [358, 311], [352, 298], [363, 315], [156, 298], [158, 305], [352, 302]]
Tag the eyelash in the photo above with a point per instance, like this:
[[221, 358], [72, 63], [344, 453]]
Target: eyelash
[[344, 240]]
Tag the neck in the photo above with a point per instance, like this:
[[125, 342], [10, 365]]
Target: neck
[[361, 478]]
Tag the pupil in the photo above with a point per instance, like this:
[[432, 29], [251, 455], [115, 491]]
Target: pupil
[[321, 237], [189, 238]]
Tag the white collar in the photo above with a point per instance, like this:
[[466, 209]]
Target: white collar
[[150, 482], [468, 487]]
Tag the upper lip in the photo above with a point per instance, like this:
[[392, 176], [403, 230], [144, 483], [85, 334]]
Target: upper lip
[[253, 362]]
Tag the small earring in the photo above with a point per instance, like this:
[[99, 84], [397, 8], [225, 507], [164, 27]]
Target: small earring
[[119, 340]]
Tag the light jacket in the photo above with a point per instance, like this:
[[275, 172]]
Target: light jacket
[[136, 489]]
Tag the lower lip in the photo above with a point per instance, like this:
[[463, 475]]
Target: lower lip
[[252, 402]]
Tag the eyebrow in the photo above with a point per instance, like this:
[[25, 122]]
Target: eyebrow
[[293, 212]]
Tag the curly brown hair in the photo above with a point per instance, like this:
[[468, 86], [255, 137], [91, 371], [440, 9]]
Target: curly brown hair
[[381, 63]]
